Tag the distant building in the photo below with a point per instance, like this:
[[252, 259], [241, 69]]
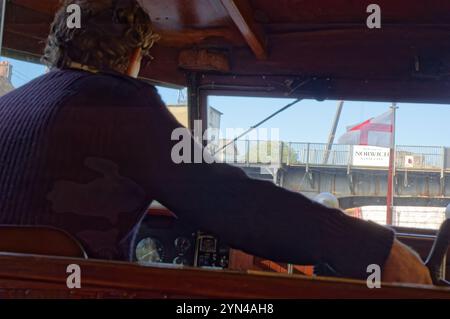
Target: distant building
[[214, 121], [5, 78], [180, 111]]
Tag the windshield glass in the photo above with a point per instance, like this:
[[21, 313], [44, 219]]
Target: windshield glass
[[341, 149]]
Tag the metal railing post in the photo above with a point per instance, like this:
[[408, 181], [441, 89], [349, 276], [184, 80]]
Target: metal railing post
[[443, 155], [349, 158], [247, 152], [281, 152], [224, 155], [289, 154], [307, 156], [442, 180], [257, 152]]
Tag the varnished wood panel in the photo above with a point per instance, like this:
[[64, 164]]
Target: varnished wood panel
[[39, 241], [360, 64], [350, 11], [43, 277]]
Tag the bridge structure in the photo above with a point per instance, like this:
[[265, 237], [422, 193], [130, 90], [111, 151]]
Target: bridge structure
[[311, 168]]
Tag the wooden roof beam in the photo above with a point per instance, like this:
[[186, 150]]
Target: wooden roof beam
[[242, 15]]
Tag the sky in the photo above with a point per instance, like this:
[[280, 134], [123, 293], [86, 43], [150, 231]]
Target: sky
[[311, 121], [308, 121]]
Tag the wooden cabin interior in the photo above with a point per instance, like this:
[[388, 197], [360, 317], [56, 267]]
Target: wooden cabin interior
[[319, 50]]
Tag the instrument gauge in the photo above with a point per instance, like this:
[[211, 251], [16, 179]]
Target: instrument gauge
[[182, 244], [180, 261], [150, 250]]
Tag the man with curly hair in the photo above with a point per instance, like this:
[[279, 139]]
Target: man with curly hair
[[87, 147]]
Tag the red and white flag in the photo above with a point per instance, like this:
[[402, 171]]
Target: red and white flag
[[375, 132]]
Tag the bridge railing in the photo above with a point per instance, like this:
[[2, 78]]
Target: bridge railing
[[425, 157], [316, 154], [253, 152]]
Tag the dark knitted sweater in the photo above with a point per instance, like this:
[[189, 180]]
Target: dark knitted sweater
[[88, 153]]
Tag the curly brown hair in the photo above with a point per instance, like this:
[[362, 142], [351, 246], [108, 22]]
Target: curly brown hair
[[110, 32]]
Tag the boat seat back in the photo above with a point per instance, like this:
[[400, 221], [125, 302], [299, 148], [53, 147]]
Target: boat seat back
[[39, 241]]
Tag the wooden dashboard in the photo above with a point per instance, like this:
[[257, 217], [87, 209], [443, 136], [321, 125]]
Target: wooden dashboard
[[27, 276], [37, 276], [32, 276]]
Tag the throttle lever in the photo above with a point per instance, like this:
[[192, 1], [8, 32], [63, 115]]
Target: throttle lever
[[438, 253]]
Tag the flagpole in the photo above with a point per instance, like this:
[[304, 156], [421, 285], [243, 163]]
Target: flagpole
[[333, 132], [390, 186]]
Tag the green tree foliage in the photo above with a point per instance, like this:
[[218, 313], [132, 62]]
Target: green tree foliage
[[265, 152]]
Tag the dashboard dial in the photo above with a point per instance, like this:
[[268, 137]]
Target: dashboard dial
[[180, 261], [150, 250], [182, 244]]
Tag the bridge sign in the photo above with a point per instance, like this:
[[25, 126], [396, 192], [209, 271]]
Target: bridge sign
[[370, 156]]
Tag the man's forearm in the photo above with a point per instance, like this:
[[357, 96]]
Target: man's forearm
[[265, 220]]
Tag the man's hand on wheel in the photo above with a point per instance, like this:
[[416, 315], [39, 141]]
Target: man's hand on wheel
[[405, 266]]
